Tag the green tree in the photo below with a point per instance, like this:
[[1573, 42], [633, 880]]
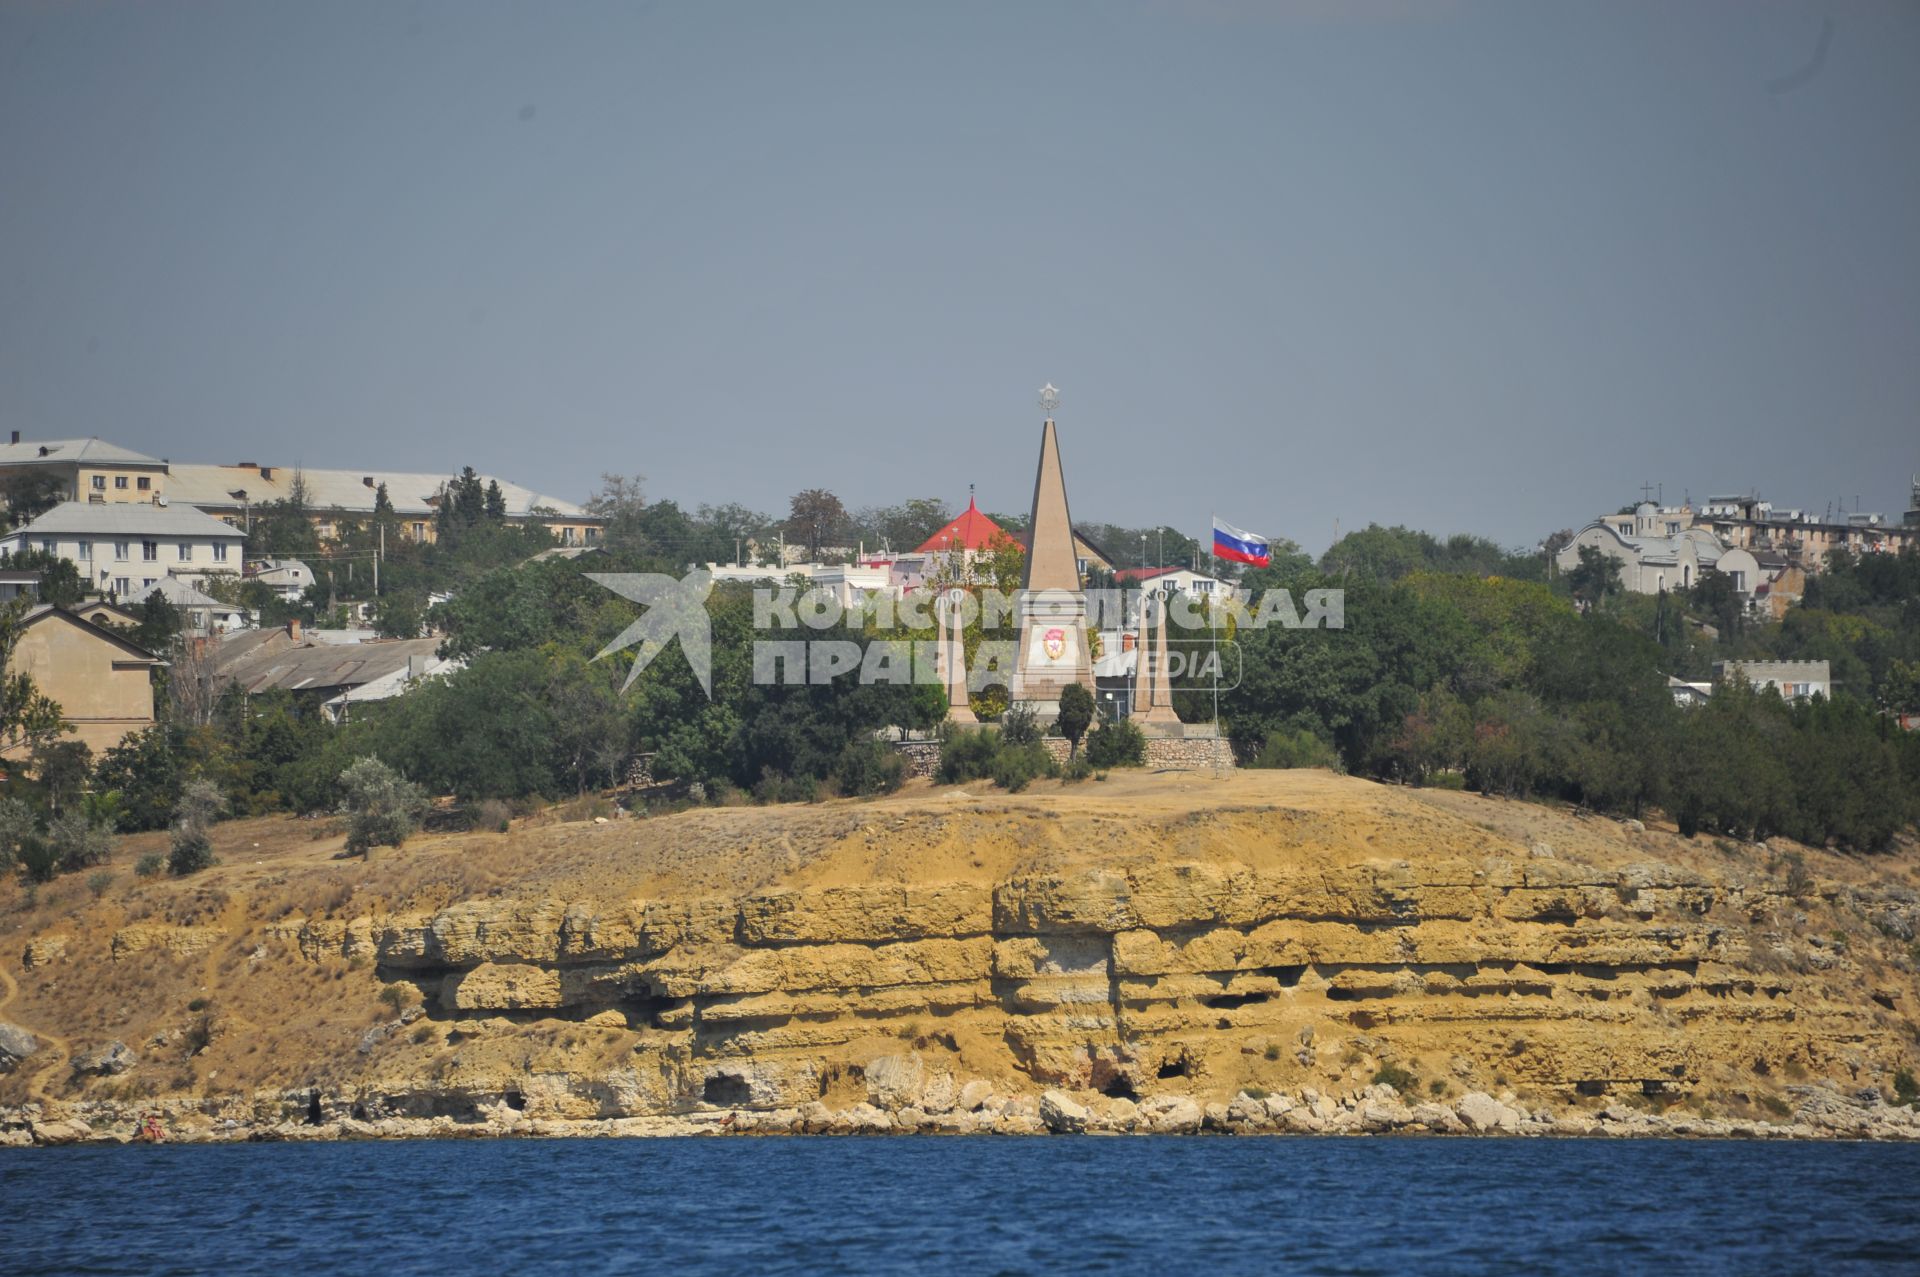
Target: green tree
[[60, 580], [201, 803], [1595, 578], [1076, 715], [62, 768], [383, 808], [28, 494], [160, 623], [398, 615], [27, 715], [815, 518]]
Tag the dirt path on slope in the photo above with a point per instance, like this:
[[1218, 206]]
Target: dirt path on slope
[[60, 1050]]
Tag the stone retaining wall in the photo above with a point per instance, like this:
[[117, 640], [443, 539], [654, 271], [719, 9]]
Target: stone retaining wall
[[1164, 753]]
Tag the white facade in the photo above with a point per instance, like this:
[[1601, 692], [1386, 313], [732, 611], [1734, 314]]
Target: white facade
[[1651, 558], [1794, 680], [288, 578], [127, 549]]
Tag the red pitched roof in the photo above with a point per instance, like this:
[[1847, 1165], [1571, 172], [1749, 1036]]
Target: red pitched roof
[[969, 530], [1141, 574]]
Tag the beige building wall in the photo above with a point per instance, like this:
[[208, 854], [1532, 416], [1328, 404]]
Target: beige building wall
[[104, 687], [117, 483]]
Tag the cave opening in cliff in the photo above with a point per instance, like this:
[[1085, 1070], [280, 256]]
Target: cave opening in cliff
[[727, 1090], [515, 1101], [1233, 1001], [1119, 1087], [314, 1117], [1176, 1067]]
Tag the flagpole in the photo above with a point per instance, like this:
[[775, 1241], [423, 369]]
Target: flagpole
[[1213, 621]]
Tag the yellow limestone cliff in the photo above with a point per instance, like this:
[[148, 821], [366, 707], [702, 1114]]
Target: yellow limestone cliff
[[1274, 949]]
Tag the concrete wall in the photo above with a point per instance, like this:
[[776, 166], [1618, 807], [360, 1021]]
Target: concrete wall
[[1194, 753]]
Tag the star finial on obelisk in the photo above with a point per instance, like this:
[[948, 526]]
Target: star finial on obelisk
[[1049, 399]]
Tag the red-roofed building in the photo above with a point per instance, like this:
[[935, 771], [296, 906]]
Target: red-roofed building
[[968, 530]]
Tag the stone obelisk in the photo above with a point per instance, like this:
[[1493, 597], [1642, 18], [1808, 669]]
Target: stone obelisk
[[1152, 690], [1053, 609], [953, 657], [1161, 711]]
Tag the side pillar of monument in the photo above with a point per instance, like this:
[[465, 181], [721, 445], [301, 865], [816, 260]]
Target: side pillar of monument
[[1160, 702], [953, 658], [1142, 675]]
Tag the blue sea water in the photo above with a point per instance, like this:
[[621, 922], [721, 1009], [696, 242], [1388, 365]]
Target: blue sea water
[[979, 1205]]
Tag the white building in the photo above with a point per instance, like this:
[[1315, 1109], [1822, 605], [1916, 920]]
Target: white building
[[1174, 580], [203, 613], [1655, 549], [288, 578], [127, 549], [1795, 680]]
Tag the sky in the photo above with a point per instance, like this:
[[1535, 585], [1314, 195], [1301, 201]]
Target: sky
[[1483, 267]]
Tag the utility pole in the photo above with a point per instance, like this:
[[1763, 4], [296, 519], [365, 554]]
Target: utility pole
[[378, 555]]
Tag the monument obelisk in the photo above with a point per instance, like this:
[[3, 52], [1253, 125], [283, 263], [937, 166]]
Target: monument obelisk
[[1052, 606]]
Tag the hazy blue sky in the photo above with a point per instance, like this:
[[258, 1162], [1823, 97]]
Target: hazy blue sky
[[1464, 266]]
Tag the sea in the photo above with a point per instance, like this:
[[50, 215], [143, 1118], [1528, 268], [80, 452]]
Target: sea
[[963, 1205]]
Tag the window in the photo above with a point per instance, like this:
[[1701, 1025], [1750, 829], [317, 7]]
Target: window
[[419, 531], [120, 481], [121, 585], [100, 481], [120, 550], [147, 584], [219, 551], [186, 551], [86, 550], [150, 550], [144, 483], [46, 545]]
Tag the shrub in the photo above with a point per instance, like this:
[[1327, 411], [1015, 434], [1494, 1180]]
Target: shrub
[[1297, 748], [490, 814], [192, 851], [150, 864], [1119, 743], [1020, 725], [1905, 1090], [78, 841], [200, 804], [968, 755], [16, 824], [868, 767], [1077, 769], [1015, 766], [1396, 1077], [382, 806], [38, 858], [98, 881]]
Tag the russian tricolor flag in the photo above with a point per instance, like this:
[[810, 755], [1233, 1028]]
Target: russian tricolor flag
[[1236, 546]]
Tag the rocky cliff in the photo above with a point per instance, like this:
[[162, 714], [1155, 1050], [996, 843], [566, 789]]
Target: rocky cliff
[[1265, 951]]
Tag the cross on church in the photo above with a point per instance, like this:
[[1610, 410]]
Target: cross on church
[[1646, 491]]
